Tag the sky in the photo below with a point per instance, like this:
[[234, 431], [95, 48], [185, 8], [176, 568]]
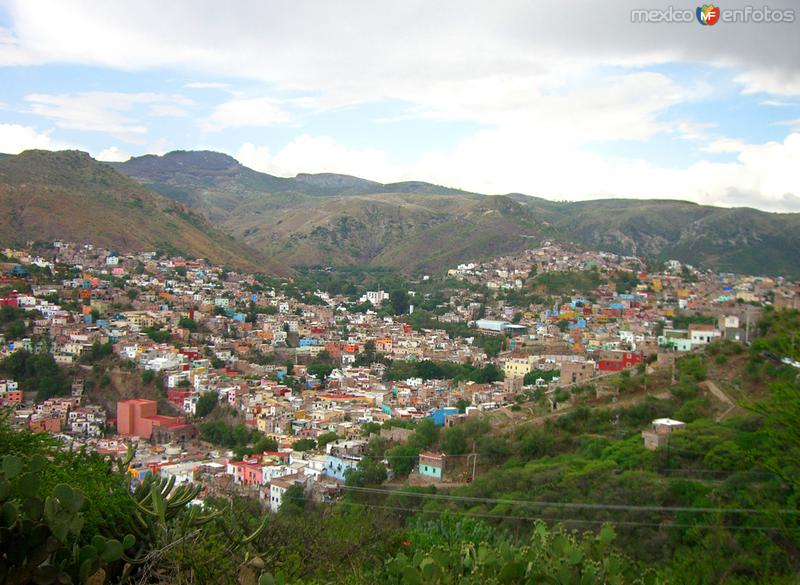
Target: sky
[[562, 100]]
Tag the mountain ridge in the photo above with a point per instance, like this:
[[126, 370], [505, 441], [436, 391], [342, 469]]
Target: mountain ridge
[[287, 217], [342, 220], [68, 195]]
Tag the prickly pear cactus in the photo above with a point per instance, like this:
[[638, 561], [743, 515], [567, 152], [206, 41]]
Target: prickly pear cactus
[[39, 533]]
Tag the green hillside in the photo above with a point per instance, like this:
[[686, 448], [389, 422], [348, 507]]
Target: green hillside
[[68, 195], [329, 219], [342, 220], [736, 240]]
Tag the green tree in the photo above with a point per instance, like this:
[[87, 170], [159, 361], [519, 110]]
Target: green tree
[[293, 500], [370, 428], [319, 370], [187, 323], [15, 330], [399, 301], [402, 459], [264, 444], [426, 434], [38, 372], [206, 403], [304, 444], [454, 441], [326, 438], [368, 472]]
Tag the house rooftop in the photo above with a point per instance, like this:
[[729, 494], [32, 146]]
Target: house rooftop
[[668, 422]]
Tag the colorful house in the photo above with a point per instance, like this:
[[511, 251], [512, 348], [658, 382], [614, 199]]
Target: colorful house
[[440, 415], [618, 361], [432, 465]]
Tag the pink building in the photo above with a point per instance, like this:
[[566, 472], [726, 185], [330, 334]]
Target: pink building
[[139, 418], [134, 417]]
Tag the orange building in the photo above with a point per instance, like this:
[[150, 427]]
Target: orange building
[[132, 417], [50, 424], [139, 418], [11, 397]]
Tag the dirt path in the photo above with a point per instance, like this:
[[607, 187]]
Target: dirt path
[[721, 396]]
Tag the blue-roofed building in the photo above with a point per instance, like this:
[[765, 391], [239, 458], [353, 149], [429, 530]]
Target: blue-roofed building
[[19, 272], [440, 415]]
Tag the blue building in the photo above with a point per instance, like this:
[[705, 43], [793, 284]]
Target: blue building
[[336, 465], [440, 414], [432, 465], [19, 272]]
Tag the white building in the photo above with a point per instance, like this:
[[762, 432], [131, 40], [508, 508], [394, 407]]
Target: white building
[[278, 487], [375, 297], [702, 335]]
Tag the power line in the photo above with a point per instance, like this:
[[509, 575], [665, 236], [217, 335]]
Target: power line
[[573, 505], [625, 523], [763, 473]]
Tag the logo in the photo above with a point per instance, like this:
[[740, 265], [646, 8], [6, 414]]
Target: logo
[[707, 14]]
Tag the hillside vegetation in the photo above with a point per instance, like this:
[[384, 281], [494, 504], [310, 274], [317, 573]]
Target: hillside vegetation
[[70, 196], [572, 498], [328, 219], [312, 220]]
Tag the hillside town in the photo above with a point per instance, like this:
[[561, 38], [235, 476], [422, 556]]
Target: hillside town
[[244, 384]]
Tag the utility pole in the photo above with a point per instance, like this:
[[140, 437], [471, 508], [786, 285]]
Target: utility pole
[[747, 325], [474, 457]]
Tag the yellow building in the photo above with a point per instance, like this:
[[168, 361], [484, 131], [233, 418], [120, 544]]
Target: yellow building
[[517, 367]]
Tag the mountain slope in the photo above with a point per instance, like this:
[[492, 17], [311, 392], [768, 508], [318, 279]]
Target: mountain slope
[[330, 219], [68, 195], [399, 230], [338, 219], [737, 240]]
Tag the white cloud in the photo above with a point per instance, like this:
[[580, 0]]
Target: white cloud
[[534, 76], [206, 85], [345, 48], [794, 124], [160, 147], [113, 154], [765, 173], [513, 160], [15, 138], [725, 145], [775, 81], [690, 130], [316, 154], [167, 110], [240, 113], [779, 104], [102, 111]]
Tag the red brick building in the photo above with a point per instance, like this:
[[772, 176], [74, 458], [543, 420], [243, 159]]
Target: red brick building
[[616, 361]]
